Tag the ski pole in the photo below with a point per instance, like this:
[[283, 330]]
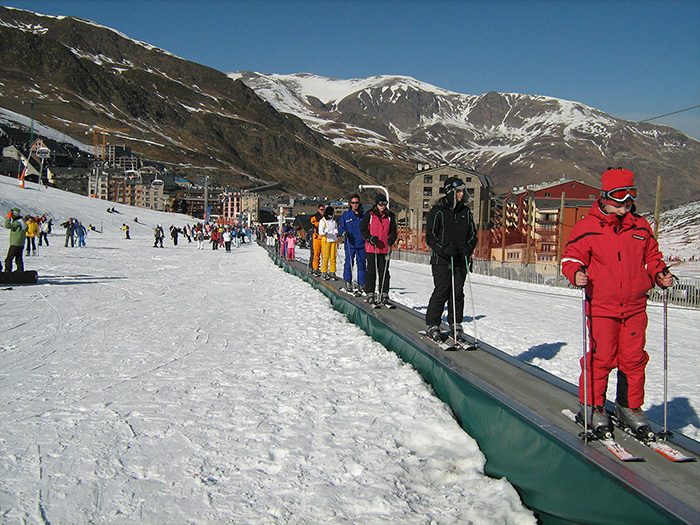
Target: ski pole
[[454, 301], [665, 296], [376, 273], [471, 298], [585, 365], [386, 269]]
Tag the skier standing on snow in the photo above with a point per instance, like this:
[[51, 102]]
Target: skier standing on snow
[[450, 233], [315, 246], [174, 232], [378, 228], [613, 254], [32, 230], [328, 231], [349, 227], [199, 235], [18, 230], [44, 230], [81, 232], [158, 235], [125, 229], [69, 225]]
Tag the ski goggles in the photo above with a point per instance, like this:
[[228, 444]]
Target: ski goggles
[[457, 185], [620, 194]]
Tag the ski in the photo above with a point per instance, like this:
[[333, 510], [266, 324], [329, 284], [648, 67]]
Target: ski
[[444, 345], [660, 447], [609, 443], [466, 343]]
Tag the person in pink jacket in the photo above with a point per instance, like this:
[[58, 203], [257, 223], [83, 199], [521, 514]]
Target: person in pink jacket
[[291, 242], [379, 231], [612, 252]]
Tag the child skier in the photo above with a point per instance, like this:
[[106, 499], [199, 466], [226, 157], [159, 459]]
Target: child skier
[[291, 244], [613, 254]]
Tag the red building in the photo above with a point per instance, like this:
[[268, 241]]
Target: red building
[[526, 220]]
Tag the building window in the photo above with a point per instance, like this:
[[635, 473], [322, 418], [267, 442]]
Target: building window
[[443, 178], [468, 179], [427, 179], [547, 194], [426, 204], [427, 191]]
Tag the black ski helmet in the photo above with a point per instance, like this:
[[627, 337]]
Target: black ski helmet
[[451, 186]]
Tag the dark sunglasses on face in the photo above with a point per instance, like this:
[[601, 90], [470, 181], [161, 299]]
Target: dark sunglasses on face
[[354, 202], [620, 194], [381, 204]]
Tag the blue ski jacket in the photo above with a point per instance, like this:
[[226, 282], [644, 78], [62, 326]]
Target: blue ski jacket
[[349, 227]]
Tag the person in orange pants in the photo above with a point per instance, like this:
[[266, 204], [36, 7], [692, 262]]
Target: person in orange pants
[[316, 240]]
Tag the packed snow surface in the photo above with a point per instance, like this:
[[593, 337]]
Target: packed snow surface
[[148, 385]]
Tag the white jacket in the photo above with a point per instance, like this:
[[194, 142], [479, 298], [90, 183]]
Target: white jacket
[[328, 228]]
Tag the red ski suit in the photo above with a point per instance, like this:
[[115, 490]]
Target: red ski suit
[[622, 260]]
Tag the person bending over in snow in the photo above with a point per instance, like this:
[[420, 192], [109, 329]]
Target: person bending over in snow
[[613, 254]]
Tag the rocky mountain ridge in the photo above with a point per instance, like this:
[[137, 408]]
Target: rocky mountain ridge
[[516, 139], [188, 116]]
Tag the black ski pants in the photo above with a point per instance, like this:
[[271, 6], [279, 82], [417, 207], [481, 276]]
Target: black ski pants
[[15, 252], [377, 273], [442, 293], [31, 245]]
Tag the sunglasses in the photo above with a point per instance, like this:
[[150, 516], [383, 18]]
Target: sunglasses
[[620, 194], [381, 203], [354, 202]]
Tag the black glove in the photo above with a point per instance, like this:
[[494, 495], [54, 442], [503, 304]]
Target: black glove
[[373, 240], [448, 251]]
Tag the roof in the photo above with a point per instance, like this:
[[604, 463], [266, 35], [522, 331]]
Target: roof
[[545, 185]]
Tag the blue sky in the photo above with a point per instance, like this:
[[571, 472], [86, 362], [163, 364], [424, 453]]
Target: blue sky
[[631, 59]]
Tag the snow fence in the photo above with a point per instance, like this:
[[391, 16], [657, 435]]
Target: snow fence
[[551, 476]]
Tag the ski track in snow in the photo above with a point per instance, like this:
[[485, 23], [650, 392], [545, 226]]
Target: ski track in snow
[[172, 386]]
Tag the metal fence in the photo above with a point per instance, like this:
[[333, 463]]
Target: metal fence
[[685, 292]]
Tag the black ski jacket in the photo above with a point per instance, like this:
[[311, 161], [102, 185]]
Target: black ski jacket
[[450, 232]]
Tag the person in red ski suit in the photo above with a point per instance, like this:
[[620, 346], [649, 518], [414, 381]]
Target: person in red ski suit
[[612, 252]]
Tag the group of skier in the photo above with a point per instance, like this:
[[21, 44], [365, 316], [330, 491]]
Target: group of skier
[[611, 255], [367, 238]]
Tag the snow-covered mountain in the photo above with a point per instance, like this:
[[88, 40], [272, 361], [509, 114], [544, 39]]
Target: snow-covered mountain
[[515, 138]]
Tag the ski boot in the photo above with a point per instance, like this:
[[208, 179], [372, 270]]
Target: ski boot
[[369, 299], [384, 300], [326, 277], [636, 422], [598, 421], [333, 276], [348, 288], [435, 334], [457, 329]]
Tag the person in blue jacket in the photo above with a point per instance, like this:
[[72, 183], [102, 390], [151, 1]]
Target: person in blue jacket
[[349, 228]]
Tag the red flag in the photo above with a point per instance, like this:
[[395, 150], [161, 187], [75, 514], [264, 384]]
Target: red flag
[[21, 175]]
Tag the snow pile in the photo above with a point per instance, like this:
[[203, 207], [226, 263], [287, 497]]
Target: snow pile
[[174, 385]]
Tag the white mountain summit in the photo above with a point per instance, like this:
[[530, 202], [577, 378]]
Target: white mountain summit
[[515, 138]]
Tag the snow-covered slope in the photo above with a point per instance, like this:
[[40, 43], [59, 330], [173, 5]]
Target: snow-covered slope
[[144, 385]]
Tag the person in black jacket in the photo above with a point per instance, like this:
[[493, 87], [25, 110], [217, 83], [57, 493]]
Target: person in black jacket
[[450, 232]]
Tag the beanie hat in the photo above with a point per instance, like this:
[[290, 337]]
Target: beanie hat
[[614, 178], [329, 212], [16, 212], [453, 184], [380, 198]]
